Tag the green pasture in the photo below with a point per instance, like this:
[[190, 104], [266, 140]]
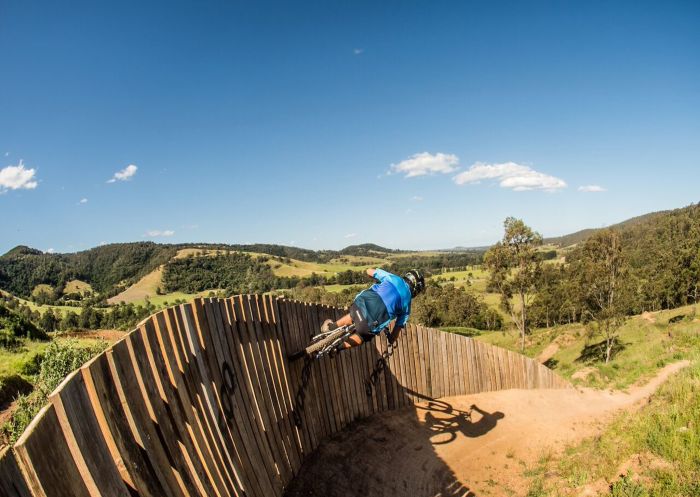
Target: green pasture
[[646, 344]]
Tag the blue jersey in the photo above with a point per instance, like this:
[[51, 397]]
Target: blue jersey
[[396, 295]]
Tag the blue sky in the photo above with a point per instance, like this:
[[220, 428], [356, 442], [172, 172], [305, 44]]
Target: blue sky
[[323, 124]]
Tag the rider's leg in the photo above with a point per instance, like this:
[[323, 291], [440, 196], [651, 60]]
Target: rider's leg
[[329, 324], [352, 341]]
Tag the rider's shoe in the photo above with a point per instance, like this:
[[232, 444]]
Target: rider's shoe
[[328, 325]]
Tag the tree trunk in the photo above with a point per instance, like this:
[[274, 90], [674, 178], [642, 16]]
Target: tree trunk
[[522, 322]]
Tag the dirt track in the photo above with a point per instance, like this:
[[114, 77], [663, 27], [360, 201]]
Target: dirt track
[[436, 449]]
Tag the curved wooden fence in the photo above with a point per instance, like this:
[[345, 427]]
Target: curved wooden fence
[[199, 401]]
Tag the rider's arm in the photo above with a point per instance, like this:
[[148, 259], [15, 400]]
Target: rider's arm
[[395, 332], [378, 274]]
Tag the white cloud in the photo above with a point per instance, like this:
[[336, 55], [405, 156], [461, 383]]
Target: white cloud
[[83, 201], [510, 175], [417, 198], [103, 242], [358, 51], [50, 251], [155, 233], [124, 175], [591, 189], [426, 163], [350, 235], [17, 177]]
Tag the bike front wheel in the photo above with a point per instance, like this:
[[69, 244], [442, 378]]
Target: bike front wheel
[[326, 341]]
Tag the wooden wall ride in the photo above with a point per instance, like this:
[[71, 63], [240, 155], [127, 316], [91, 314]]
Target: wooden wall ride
[[198, 401]]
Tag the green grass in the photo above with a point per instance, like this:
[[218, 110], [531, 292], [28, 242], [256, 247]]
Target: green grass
[[646, 348], [14, 361], [663, 438], [77, 286], [42, 308]]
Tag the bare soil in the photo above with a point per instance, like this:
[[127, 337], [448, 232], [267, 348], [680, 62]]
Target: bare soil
[[108, 335], [462, 446]]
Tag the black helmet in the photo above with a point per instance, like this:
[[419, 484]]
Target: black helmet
[[415, 281]]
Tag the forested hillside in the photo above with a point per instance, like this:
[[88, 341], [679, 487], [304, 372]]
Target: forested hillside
[[23, 268], [660, 255]]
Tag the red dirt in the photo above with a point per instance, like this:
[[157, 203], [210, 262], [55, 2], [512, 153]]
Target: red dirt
[[108, 335], [435, 449]]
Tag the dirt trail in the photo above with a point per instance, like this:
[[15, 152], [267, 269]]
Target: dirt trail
[[436, 450]]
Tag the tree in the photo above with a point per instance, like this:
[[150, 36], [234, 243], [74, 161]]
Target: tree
[[48, 321], [601, 272], [514, 267]]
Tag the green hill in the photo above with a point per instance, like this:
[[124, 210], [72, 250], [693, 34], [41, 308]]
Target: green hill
[[647, 220]]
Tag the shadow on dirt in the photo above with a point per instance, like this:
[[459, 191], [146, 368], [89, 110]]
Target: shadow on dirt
[[393, 454], [445, 422]]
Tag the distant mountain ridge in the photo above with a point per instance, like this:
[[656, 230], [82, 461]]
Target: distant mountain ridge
[[583, 235], [109, 267]]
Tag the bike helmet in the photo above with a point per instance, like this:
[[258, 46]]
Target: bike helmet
[[415, 281]]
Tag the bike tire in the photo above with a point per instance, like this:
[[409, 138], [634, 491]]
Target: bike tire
[[321, 344]]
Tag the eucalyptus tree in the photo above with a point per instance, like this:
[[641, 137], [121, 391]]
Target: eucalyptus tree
[[601, 271], [515, 266]]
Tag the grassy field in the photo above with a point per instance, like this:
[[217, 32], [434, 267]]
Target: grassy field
[[143, 288], [654, 452], [13, 361], [646, 344], [62, 309], [77, 286]]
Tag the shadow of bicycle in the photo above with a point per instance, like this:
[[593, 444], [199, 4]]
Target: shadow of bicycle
[[445, 423]]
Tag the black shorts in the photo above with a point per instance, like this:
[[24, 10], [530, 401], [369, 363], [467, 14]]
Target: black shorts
[[367, 312]]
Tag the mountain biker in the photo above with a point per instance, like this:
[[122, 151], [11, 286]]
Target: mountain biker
[[373, 309]]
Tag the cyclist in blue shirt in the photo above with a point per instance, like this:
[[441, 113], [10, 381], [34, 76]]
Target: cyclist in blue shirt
[[376, 307]]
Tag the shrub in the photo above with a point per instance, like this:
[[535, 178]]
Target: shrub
[[60, 359]]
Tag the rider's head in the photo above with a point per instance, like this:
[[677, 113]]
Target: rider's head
[[415, 281]]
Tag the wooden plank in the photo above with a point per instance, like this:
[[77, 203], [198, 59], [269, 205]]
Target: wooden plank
[[290, 342], [427, 362], [321, 374], [377, 350], [12, 483], [140, 415], [84, 438], [395, 387], [459, 364], [271, 416], [400, 370], [171, 384], [483, 385], [189, 399], [128, 452], [244, 404], [469, 366], [277, 359], [430, 367], [450, 363], [334, 379], [49, 473], [314, 402], [315, 422], [411, 362], [161, 413], [253, 399], [424, 390]]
